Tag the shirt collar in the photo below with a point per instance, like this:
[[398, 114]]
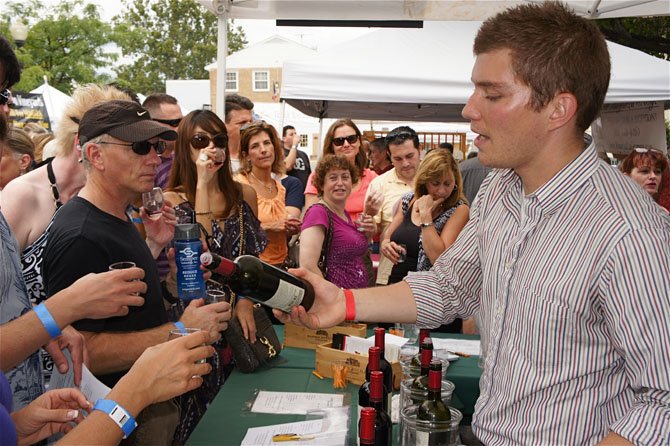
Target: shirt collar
[[561, 186]]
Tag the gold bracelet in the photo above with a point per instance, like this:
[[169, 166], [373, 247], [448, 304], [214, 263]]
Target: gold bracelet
[[204, 213]]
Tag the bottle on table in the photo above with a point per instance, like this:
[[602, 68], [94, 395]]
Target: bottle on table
[[420, 384], [416, 359], [364, 390], [188, 247], [384, 365], [433, 408], [383, 423], [366, 426], [250, 277]]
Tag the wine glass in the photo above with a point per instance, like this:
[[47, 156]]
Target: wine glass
[[153, 202], [179, 332], [219, 156]]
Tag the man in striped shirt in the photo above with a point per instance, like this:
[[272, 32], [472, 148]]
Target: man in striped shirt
[[566, 261]]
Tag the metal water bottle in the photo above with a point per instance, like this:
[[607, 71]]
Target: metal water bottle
[[188, 247]]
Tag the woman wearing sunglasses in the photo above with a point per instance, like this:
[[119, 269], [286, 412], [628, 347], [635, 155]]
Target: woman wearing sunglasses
[[261, 156], [205, 192], [645, 167]]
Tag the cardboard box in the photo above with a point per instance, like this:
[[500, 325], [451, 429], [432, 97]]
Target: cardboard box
[[326, 356], [302, 337]]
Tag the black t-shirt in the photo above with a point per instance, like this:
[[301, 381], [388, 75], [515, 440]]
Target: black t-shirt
[[301, 168], [83, 239]]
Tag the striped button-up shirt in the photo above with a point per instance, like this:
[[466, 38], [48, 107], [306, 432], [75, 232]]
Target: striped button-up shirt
[[575, 306]]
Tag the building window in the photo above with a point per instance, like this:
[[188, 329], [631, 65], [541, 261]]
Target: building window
[[231, 81], [261, 81], [303, 140]]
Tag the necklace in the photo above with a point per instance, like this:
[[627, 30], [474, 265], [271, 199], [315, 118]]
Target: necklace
[[269, 189]]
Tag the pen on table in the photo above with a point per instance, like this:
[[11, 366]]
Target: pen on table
[[464, 355], [291, 437]]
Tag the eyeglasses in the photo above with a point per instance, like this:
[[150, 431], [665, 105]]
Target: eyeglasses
[[170, 122], [399, 136], [200, 140], [5, 97], [141, 147], [337, 142]]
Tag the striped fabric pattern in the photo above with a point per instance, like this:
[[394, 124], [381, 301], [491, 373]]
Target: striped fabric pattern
[[575, 304]]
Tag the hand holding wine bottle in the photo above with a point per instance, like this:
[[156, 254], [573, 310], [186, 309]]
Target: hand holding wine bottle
[[328, 308]]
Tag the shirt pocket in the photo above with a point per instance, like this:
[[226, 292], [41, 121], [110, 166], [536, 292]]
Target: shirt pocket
[[543, 329]]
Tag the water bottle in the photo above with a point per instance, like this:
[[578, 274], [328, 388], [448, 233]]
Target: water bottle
[[188, 247]]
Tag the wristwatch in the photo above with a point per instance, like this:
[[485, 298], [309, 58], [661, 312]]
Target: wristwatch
[[426, 225], [118, 414]]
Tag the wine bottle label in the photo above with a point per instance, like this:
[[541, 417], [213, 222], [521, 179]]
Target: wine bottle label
[[286, 297], [432, 438]]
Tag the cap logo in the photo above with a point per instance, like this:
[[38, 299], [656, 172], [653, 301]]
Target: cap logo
[[141, 113]]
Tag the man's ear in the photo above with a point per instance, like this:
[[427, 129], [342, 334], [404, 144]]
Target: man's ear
[[562, 108], [93, 152]]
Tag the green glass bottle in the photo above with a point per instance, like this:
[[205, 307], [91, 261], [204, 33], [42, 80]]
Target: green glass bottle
[[419, 388], [433, 409]]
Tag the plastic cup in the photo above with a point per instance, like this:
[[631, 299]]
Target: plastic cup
[[153, 202], [402, 255], [121, 265], [214, 296], [179, 332]]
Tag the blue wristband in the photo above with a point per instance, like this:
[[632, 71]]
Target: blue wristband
[[118, 414], [180, 326], [47, 320]]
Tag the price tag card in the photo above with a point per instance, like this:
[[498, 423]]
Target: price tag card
[[294, 402]]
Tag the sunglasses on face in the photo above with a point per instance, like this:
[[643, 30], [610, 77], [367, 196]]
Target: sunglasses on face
[[5, 97], [340, 141], [170, 122], [141, 147], [200, 140]]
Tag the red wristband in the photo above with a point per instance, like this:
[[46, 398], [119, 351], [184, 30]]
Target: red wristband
[[350, 305]]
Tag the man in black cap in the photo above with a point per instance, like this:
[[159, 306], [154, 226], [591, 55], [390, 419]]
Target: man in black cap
[[120, 147]]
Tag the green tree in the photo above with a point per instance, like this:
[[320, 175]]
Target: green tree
[[648, 34], [68, 44], [168, 39]]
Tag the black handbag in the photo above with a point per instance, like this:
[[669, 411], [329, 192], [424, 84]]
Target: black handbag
[[249, 356], [292, 259]]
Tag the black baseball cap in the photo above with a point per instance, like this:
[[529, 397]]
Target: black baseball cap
[[125, 120]]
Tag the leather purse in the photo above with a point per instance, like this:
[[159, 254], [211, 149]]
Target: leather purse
[[292, 259], [249, 356]]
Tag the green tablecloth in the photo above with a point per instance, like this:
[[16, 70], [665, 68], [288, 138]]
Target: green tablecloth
[[228, 417]]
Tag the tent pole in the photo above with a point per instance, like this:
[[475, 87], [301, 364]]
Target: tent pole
[[222, 7], [282, 113], [320, 138]]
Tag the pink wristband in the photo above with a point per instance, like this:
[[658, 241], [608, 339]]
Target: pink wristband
[[350, 305]]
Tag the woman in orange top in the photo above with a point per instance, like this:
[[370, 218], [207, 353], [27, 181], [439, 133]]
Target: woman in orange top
[[261, 156]]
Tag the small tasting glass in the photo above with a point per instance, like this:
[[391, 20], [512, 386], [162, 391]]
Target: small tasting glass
[[153, 202]]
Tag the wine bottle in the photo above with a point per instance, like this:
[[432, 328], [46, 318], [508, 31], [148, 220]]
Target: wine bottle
[[433, 409], [366, 427], [423, 334], [383, 423], [364, 390], [419, 386], [250, 277], [384, 365]]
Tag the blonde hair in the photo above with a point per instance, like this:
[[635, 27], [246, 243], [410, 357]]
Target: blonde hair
[[83, 98], [433, 168]]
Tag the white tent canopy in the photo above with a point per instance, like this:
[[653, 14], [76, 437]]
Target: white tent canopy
[[424, 75], [55, 102], [417, 9]]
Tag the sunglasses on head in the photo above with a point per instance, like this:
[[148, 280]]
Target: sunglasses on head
[[170, 122], [248, 125], [200, 140], [643, 150], [402, 136], [5, 96], [141, 147], [340, 141]]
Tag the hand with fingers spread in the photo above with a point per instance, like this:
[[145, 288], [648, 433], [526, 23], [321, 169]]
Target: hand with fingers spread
[[327, 310], [75, 342]]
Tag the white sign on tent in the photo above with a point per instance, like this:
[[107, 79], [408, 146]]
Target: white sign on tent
[[622, 127]]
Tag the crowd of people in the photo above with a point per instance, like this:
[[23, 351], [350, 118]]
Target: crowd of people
[[536, 236]]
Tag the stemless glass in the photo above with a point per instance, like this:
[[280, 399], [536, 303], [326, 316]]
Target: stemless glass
[[214, 296], [153, 202], [179, 332], [121, 265]]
